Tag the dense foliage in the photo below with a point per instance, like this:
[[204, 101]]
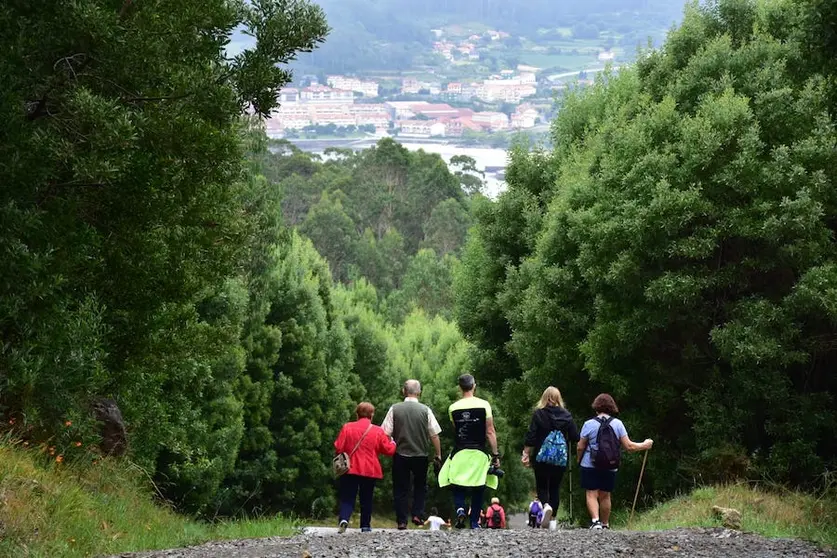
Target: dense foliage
[[237, 297], [158, 254], [125, 248], [394, 217], [676, 249]]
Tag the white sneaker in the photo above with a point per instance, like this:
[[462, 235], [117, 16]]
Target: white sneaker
[[547, 516], [596, 525]]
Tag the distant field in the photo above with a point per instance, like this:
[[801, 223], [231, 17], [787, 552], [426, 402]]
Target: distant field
[[465, 29], [567, 32], [568, 61]]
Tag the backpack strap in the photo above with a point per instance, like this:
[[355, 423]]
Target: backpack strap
[[357, 445]]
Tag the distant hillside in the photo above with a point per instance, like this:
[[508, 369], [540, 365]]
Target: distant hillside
[[388, 34]]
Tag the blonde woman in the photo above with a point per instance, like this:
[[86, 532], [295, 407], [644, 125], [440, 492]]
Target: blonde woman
[[546, 449]]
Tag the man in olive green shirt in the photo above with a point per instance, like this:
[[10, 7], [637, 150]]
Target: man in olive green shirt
[[413, 427]]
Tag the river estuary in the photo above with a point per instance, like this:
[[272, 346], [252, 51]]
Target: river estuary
[[494, 160]]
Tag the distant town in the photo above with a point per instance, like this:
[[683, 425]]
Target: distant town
[[406, 106]]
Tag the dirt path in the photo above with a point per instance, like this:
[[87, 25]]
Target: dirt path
[[519, 543]]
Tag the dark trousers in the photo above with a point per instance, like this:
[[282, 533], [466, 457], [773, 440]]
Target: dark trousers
[[350, 485], [548, 483], [477, 492], [402, 468]]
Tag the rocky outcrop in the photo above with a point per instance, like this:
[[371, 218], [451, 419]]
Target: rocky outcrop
[[113, 431], [730, 518]]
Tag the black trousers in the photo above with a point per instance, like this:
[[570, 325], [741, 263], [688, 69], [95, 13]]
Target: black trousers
[[548, 483], [402, 469]]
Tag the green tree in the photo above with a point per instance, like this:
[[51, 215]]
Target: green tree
[[332, 232], [428, 282], [680, 250], [470, 178], [123, 217], [446, 228], [382, 261], [301, 388]]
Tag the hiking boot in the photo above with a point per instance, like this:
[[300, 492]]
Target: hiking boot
[[547, 516], [418, 521], [342, 526], [596, 525], [402, 526], [460, 519], [366, 529]]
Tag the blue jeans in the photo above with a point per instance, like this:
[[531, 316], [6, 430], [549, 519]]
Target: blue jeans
[[350, 486], [459, 493]]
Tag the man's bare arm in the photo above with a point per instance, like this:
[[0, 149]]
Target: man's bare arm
[[437, 445], [491, 435]]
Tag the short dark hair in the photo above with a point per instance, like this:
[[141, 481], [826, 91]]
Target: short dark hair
[[467, 382], [604, 403], [434, 511]]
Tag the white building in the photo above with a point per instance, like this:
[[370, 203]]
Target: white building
[[366, 88], [323, 94], [421, 128], [289, 95], [404, 109], [524, 117], [493, 120]]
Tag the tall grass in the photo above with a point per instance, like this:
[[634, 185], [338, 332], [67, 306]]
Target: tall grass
[[772, 512], [89, 509]]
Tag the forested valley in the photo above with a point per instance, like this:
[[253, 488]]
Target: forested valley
[[236, 297]]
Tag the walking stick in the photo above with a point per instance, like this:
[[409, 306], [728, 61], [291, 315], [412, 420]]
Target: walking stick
[[636, 494], [570, 471]]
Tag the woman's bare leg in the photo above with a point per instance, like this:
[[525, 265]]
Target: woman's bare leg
[[593, 504], [604, 506]]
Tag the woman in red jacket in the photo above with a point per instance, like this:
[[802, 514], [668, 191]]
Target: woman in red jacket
[[364, 467]]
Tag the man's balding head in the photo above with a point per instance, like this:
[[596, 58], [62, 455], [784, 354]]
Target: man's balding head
[[412, 388]]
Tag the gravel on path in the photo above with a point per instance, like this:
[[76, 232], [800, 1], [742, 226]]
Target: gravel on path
[[676, 543]]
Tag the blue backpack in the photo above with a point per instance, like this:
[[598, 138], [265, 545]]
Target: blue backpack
[[554, 450]]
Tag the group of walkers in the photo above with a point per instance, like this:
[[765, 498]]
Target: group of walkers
[[410, 429]]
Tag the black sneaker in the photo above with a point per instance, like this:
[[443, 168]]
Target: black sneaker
[[605, 526], [596, 525], [460, 519], [341, 527]]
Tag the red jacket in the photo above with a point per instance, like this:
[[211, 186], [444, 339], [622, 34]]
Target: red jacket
[[364, 462], [488, 514]]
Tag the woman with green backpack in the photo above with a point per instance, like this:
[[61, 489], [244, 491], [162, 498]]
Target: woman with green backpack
[[546, 449]]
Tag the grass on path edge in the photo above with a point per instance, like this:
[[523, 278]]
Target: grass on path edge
[[95, 508], [767, 511]]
